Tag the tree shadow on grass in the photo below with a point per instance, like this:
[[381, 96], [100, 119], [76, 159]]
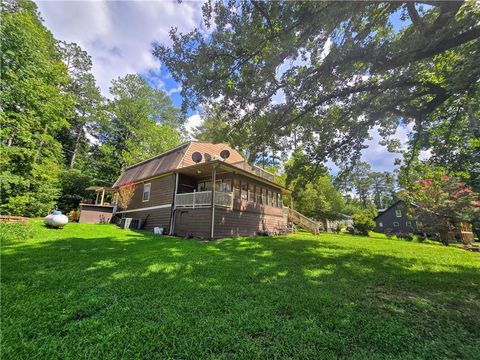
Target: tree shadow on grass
[[249, 297]]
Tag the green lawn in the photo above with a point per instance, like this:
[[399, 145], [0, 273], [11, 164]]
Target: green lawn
[[94, 291]]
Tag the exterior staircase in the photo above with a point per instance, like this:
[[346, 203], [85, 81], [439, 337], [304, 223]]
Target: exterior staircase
[[304, 222]]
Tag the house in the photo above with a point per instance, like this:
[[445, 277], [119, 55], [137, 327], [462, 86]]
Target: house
[[395, 219], [198, 189]]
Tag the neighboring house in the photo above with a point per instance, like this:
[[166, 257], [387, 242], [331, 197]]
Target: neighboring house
[[395, 219], [174, 191]]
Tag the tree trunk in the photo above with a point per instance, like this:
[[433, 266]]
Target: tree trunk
[[40, 145], [75, 147]]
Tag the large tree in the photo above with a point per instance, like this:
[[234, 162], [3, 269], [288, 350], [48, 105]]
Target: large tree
[[89, 111], [382, 188], [342, 68], [314, 196], [142, 123], [249, 141], [34, 109]]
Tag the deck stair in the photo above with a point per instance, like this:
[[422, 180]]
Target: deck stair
[[304, 222]]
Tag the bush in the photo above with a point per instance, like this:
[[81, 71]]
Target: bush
[[351, 230], [421, 238], [363, 223], [13, 231], [74, 215], [389, 233], [339, 229], [405, 236]]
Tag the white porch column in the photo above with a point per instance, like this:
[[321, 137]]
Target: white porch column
[[214, 175]]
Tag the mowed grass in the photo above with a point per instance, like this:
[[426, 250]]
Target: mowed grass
[[98, 292]]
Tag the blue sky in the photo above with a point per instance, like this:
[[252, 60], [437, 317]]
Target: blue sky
[[118, 35]]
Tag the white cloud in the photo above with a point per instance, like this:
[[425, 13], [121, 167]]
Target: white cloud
[[192, 122], [118, 34], [174, 90], [377, 155]]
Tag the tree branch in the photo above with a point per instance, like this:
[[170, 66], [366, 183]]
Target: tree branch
[[412, 12]]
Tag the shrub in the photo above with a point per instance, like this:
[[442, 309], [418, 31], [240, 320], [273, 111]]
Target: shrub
[[13, 231], [74, 215], [389, 233], [339, 229], [421, 238], [405, 236], [363, 223]]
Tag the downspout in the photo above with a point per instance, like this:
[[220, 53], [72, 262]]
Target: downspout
[[173, 210], [214, 175]]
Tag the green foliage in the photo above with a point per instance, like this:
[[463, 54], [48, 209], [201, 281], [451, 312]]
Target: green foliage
[[454, 140], [34, 112], [313, 192], [50, 103], [89, 111], [363, 223], [442, 202], [304, 296], [142, 123], [252, 142], [73, 183]]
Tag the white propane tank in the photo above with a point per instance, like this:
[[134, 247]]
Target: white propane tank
[[56, 219], [158, 230]]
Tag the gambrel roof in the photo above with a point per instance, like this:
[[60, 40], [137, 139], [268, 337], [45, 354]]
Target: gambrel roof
[[176, 158]]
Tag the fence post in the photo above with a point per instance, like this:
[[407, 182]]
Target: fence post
[[194, 198]]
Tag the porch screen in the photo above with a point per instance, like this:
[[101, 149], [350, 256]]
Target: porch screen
[[244, 191], [251, 192], [236, 188], [226, 186], [258, 194], [204, 186]]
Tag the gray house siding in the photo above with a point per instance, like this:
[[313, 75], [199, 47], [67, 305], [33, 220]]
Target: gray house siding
[[395, 219]]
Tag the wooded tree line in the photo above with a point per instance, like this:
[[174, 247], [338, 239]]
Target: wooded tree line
[[58, 133]]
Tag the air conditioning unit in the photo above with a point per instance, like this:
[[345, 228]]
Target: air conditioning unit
[[131, 223]]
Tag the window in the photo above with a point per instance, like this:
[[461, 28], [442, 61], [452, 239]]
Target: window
[[398, 213], [258, 194], [269, 198], [380, 224], [226, 186], [236, 188], [264, 196], [396, 224], [279, 200], [146, 192], [244, 191], [274, 199], [251, 192], [408, 223], [204, 186]]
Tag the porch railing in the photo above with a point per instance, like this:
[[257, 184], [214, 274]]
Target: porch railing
[[303, 221], [203, 199]]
